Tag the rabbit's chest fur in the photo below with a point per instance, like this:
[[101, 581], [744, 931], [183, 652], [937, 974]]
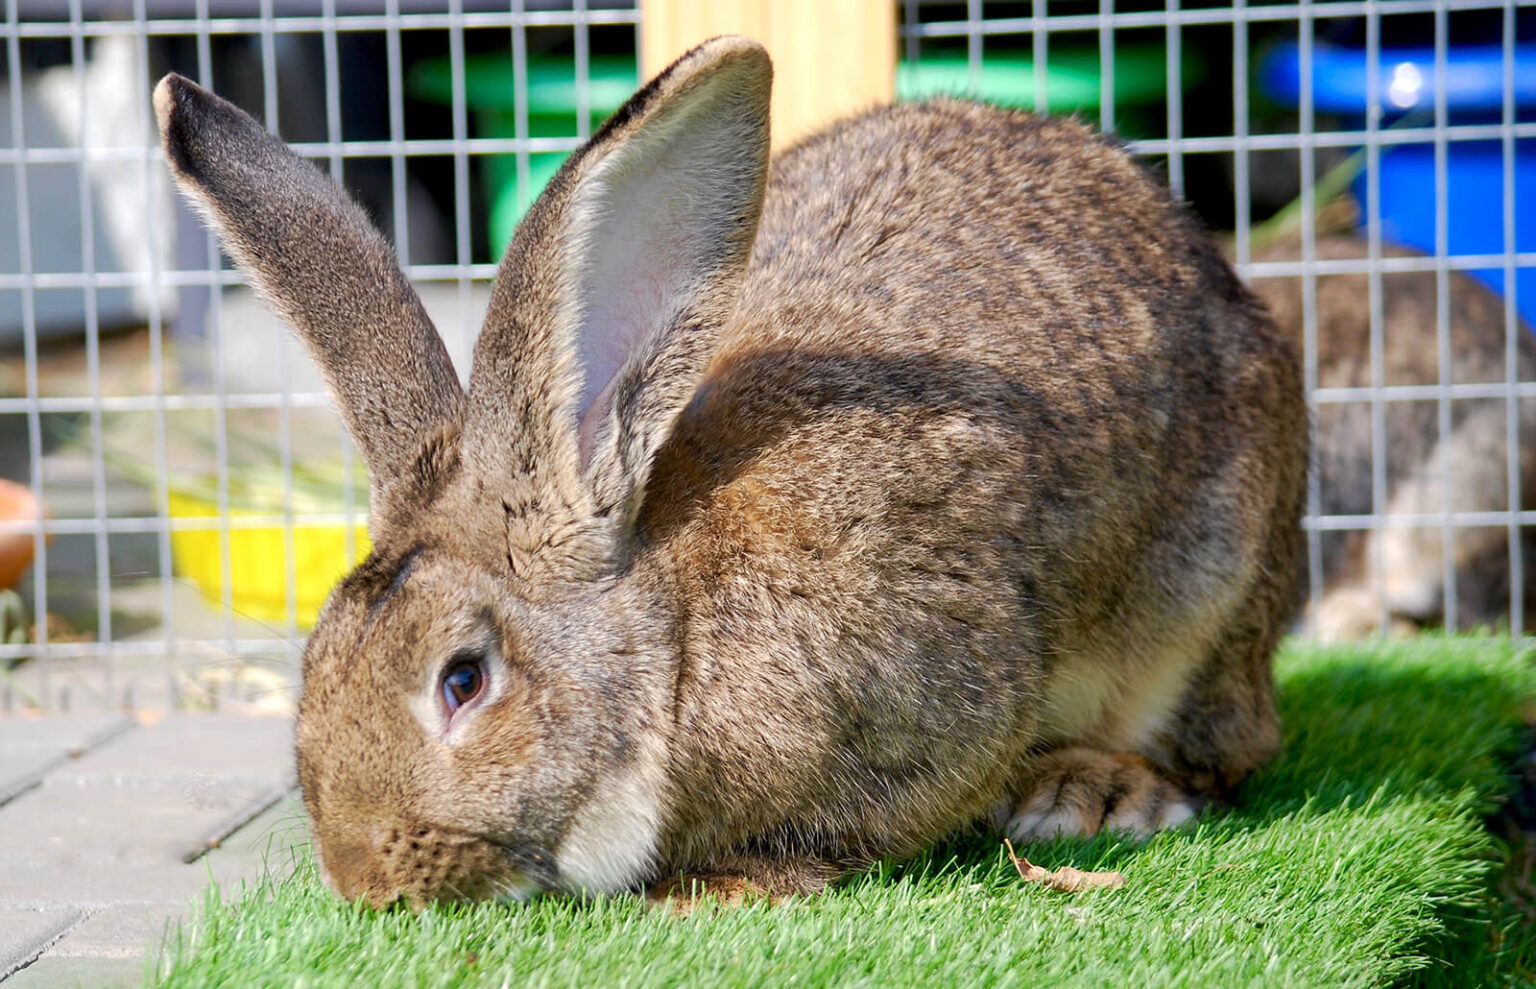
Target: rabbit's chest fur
[[972, 476]]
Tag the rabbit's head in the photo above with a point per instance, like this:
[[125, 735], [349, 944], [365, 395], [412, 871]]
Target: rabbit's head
[[484, 697]]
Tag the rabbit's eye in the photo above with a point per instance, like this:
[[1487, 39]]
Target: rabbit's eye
[[462, 682]]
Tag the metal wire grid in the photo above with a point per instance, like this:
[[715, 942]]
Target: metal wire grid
[[1040, 25], [98, 686], [977, 31]]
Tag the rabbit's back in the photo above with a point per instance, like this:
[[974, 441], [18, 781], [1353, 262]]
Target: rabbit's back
[[992, 448], [1034, 235], [1010, 303]]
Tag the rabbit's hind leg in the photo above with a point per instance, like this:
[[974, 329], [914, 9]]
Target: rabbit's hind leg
[[1174, 745], [1224, 726], [1081, 791]]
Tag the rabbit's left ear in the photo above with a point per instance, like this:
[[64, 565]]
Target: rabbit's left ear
[[608, 304], [313, 253]]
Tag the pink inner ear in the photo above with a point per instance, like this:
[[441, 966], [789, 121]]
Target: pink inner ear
[[654, 215], [586, 429], [632, 289]]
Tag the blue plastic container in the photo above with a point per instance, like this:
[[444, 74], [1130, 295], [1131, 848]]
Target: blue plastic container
[[1474, 94]]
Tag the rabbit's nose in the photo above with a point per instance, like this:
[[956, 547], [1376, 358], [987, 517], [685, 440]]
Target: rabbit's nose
[[356, 870]]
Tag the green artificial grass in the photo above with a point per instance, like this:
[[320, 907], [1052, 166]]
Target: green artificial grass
[[1360, 857]]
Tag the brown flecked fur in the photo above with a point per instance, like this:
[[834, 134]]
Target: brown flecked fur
[[1472, 457], [970, 469]]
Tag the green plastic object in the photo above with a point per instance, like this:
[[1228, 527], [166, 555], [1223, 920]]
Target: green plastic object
[[552, 112], [1072, 85], [1071, 80]]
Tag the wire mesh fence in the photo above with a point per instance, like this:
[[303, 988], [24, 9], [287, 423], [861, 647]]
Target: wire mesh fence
[[199, 493], [200, 497], [1367, 160]]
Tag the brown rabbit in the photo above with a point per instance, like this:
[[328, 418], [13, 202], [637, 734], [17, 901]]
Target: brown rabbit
[[795, 516], [1464, 471]]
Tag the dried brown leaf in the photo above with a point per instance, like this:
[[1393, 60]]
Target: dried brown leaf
[[1066, 879]]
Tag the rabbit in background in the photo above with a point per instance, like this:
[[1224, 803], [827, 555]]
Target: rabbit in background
[[795, 516], [1399, 571]]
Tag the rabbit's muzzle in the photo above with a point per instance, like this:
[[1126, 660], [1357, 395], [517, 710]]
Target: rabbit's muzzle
[[421, 864]]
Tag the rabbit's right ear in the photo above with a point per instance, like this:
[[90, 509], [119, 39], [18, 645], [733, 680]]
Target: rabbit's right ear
[[313, 253], [608, 307]]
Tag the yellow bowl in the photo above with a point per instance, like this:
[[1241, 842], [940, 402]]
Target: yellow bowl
[[257, 567]]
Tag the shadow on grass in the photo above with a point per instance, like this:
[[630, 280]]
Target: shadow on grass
[[1394, 723], [1389, 725]]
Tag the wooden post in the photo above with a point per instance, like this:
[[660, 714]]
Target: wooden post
[[831, 58]]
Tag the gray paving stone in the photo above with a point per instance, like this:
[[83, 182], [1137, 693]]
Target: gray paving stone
[[270, 839], [265, 847], [74, 823], [91, 859], [79, 973], [28, 744], [25, 933], [53, 733], [118, 932], [159, 884], [197, 745]]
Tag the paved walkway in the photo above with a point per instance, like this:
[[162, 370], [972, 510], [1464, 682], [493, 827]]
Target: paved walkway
[[112, 826]]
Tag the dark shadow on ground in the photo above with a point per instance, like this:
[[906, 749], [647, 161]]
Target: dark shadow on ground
[[1356, 727]]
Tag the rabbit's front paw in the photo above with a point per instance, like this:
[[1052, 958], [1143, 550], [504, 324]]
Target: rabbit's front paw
[[1080, 792], [681, 895], [737, 880]]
